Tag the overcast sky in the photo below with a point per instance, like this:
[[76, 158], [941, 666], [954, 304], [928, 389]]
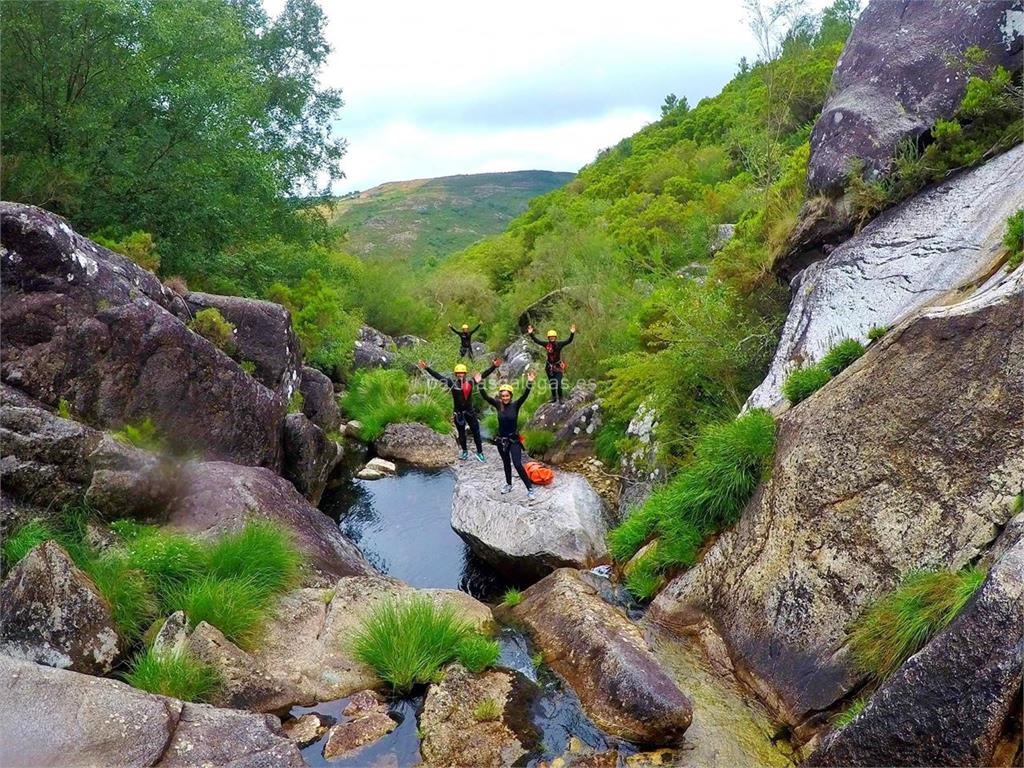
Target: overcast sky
[[446, 87]]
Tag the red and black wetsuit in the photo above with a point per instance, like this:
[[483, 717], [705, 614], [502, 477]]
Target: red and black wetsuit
[[465, 340], [553, 364], [462, 405], [507, 439]]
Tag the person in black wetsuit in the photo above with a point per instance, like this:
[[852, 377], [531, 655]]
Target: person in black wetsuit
[[461, 387], [507, 439], [465, 339], [553, 366]]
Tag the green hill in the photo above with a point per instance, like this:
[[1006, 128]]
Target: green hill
[[424, 220]]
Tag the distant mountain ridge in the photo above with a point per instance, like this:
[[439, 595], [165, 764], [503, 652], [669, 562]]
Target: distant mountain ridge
[[425, 220]]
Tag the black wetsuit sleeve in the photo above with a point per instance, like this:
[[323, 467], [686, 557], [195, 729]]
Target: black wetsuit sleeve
[[568, 341], [453, 330], [436, 375], [537, 341], [488, 371], [488, 398], [475, 329], [526, 393]]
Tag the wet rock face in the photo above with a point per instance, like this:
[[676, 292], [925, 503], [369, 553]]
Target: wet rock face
[[373, 349], [87, 325], [911, 458], [218, 497], [453, 736], [309, 456], [51, 613], [369, 721], [318, 401], [563, 526], [417, 444], [605, 659], [573, 422], [907, 258], [948, 704], [899, 73], [263, 336]]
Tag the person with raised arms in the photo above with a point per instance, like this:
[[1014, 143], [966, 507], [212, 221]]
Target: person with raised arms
[[507, 440], [461, 387]]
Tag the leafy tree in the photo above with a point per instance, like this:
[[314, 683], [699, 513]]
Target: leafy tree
[[192, 121]]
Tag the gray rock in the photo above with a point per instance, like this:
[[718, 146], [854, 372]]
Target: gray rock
[[518, 356], [605, 659], [369, 722], [564, 525], [376, 468], [309, 456], [172, 635], [87, 325], [907, 258], [373, 349], [304, 730], [408, 340], [416, 444], [263, 335], [640, 468], [950, 703], [899, 73], [218, 497], [723, 234], [452, 736], [51, 613], [318, 400], [911, 458], [573, 422]]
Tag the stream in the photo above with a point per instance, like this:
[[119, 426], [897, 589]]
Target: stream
[[402, 525]]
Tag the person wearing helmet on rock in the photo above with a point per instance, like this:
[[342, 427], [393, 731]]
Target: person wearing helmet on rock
[[461, 387], [507, 440], [554, 366], [465, 339]]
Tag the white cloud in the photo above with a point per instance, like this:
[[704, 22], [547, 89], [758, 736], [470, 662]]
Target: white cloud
[[456, 87]]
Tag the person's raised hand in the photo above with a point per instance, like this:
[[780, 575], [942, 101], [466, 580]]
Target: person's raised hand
[[572, 328], [422, 363], [477, 377], [529, 329], [531, 376], [497, 361]]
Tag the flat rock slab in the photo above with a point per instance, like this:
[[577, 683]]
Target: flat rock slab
[[416, 444], [910, 256], [51, 613], [605, 659], [58, 717], [911, 458], [564, 526]]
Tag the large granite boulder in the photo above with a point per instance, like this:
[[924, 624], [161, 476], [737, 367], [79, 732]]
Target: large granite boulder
[[564, 526], [84, 324], [318, 400], [373, 349], [57, 717], [905, 259], [453, 736], [263, 336], [573, 423], [218, 497], [518, 356], [307, 644], [51, 613], [416, 444], [309, 456], [902, 70], [605, 659], [911, 458], [951, 703]]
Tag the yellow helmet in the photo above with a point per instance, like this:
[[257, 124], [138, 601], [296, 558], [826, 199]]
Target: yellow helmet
[[506, 388], [465, 327], [552, 332], [460, 368]]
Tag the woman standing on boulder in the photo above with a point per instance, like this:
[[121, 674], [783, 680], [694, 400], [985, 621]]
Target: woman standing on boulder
[[507, 439]]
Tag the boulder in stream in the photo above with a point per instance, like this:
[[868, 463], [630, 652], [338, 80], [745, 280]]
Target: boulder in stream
[[605, 659], [310, 456], [564, 526], [52, 613], [416, 444]]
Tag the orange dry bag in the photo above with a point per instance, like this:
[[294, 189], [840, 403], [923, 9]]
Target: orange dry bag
[[538, 473]]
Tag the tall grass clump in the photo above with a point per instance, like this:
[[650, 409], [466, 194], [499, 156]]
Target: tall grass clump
[[238, 607], [707, 495], [142, 434], [407, 641], [130, 594], [537, 441], [841, 356], [512, 597], [24, 539], [380, 397], [899, 624], [178, 675], [804, 382], [476, 653], [1014, 240], [848, 715], [262, 553]]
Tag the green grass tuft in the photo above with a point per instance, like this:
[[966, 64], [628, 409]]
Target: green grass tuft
[[24, 540], [841, 356], [133, 603], [486, 710], [847, 716], [877, 331], [632, 533], [177, 675], [537, 441], [408, 641], [381, 397], [899, 624], [477, 653], [512, 598], [238, 607], [168, 559], [215, 328], [804, 382], [1014, 240], [262, 553], [644, 579], [142, 434]]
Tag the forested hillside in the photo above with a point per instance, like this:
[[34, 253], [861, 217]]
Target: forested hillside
[[423, 221]]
